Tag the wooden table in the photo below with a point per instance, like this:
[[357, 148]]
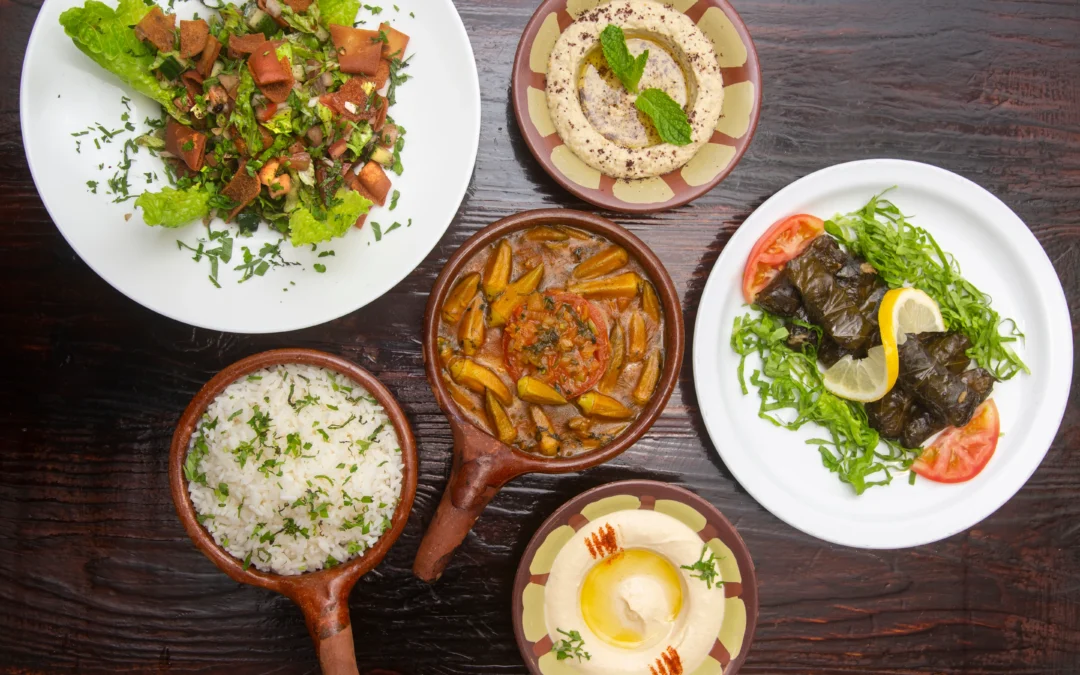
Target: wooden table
[[97, 576]]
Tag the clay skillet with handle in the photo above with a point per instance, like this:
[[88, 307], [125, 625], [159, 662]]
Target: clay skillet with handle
[[323, 596], [482, 464]]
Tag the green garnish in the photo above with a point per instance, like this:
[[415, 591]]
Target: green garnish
[[627, 68], [791, 380], [92, 184], [668, 117], [319, 267], [666, 114], [705, 568], [906, 255], [394, 199], [570, 647], [222, 253]]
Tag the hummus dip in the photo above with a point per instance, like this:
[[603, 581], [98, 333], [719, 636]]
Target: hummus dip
[[619, 582], [595, 115]]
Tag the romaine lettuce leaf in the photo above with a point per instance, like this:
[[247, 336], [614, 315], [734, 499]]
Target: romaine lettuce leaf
[[107, 37], [304, 228], [341, 12], [243, 116], [174, 208]]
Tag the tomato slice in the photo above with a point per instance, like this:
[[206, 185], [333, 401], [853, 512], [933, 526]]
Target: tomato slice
[[559, 338], [783, 241], [959, 454]]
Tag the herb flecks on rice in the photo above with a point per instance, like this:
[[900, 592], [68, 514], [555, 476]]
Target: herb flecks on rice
[[294, 469]]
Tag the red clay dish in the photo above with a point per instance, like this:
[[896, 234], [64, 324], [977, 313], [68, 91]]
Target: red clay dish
[[714, 161], [323, 596], [737, 567]]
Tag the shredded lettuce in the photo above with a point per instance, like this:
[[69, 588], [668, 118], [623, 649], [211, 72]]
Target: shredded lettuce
[[174, 208], [107, 37], [791, 380], [281, 122], [341, 12], [243, 116], [305, 228], [904, 254]]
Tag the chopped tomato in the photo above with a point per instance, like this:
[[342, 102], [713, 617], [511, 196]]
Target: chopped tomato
[[359, 51], [559, 338], [959, 454], [265, 112], [780, 243]]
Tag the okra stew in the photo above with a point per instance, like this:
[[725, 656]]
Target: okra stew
[[552, 339]]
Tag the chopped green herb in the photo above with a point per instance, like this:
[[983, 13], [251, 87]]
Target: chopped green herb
[[570, 647], [705, 569]]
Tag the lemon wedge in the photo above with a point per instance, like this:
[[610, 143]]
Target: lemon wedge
[[906, 311], [903, 311], [863, 380]]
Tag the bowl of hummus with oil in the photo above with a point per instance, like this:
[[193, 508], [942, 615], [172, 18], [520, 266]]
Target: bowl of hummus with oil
[[599, 118], [635, 578]]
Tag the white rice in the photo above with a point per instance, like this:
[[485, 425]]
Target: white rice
[[316, 487]]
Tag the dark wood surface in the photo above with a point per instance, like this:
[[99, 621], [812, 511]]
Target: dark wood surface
[[97, 575]]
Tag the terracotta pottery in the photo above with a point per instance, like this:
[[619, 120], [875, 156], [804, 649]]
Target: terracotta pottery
[[323, 596], [741, 71], [736, 567], [482, 464]]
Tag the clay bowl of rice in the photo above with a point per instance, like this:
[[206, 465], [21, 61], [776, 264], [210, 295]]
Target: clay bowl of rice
[[295, 470]]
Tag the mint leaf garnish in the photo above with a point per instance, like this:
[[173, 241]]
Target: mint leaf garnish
[[626, 67], [667, 116]]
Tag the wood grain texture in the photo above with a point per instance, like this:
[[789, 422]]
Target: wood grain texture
[[97, 575]]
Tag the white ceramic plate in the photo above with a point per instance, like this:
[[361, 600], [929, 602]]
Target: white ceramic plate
[[998, 253], [63, 91]]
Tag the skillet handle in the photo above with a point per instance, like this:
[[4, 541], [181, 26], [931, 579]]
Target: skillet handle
[[326, 613], [337, 655], [482, 465]]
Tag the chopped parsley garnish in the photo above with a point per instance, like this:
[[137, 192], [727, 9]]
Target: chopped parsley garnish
[[705, 568], [570, 647], [394, 199]]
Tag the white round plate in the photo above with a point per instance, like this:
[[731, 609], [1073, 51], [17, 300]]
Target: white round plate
[[63, 92], [997, 253]]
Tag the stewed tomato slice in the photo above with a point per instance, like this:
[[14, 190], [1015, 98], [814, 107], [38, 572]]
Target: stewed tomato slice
[[559, 338], [959, 454], [784, 240]]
